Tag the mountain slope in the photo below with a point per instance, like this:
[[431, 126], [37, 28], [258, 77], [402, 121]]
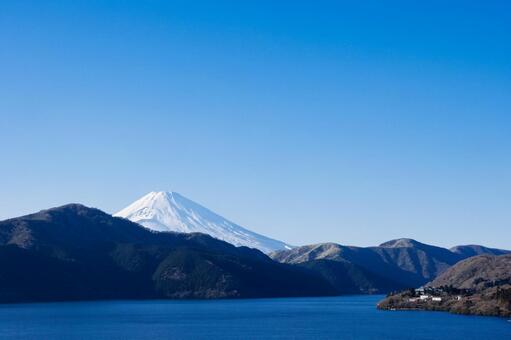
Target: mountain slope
[[405, 262], [348, 278], [170, 211], [423, 260], [479, 285], [74, 252], [474, 250], [476, 272]]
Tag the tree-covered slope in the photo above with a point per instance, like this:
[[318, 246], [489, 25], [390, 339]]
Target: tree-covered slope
[[74, 252]]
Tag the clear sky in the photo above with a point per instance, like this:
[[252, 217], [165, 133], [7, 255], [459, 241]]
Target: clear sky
[[307, 121]]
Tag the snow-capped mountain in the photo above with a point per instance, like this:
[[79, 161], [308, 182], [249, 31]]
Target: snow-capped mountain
[[170, 211]]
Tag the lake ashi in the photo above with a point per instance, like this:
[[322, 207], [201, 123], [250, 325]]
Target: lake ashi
[[346, 317]]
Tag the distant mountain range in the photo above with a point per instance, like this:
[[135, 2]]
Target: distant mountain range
[[75, 253], [393, 265], [170, 211]]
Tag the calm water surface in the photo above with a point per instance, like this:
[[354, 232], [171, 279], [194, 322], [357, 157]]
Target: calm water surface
[[352, 317]]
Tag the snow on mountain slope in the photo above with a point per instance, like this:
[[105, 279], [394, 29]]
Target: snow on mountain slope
[[170, 211]]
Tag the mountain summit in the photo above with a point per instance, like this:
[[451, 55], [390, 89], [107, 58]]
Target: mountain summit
[[170, 211], [401, 243]]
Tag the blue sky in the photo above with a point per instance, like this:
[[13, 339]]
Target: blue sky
[[307, 121]]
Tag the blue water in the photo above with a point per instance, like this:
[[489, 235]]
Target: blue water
[[351, 317]]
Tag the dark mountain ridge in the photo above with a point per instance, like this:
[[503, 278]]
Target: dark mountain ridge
[[75, 253]]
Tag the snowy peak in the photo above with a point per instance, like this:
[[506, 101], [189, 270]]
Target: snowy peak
[[170, 211], [160, 211]]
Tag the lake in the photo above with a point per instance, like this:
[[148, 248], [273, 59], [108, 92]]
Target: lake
[[347, 317]]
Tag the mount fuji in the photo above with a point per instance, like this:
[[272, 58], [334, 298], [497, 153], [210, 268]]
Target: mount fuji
[[170, 211]]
